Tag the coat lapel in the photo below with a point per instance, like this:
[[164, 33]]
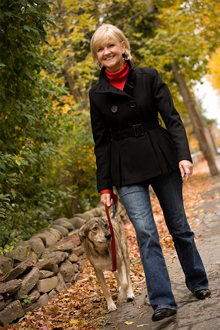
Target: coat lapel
[[105, 87]]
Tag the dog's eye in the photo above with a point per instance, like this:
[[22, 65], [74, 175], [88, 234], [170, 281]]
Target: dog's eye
[[94, 228]]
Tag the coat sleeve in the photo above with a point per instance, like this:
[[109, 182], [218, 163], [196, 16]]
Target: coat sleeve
[[170, 116], [101, 136]]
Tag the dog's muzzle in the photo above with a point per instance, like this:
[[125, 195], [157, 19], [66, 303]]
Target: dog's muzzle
[[108, 236]]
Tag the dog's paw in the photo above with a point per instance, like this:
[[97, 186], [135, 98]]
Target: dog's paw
[[130, 298], [112, 307], [121, 296]]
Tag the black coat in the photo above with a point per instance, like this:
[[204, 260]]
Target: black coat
[[135, 159]]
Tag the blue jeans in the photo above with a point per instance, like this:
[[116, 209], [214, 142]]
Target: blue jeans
[[136, 199]]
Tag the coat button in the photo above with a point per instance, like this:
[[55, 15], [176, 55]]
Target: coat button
[[114, 108], [132, 104]]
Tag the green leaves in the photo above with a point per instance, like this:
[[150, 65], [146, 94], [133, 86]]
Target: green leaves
[[8, 13], [27, 28], [28, 135], [74, 171], [26, 299]]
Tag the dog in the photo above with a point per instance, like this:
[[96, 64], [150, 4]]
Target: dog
[[96, 238]]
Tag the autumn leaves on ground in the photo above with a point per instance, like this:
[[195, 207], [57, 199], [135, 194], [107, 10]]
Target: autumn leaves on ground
[[83, 306]]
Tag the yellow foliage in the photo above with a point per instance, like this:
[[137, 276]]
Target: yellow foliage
[[214, 67], [69, 38]]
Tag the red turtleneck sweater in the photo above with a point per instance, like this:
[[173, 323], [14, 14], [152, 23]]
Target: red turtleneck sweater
[[118, 79]]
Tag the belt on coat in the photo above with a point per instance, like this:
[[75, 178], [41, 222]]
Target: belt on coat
[[135, 130]]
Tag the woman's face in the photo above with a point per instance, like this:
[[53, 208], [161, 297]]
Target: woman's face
[[109, 54]]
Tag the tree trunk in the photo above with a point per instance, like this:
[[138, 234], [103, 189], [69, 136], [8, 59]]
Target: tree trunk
[[196, 121], [79, 92], [212, 140]]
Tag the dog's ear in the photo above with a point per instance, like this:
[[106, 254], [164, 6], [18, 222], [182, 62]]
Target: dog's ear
[[82, 233]]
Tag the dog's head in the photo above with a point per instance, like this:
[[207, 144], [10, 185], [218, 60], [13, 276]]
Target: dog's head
[[96, 230]]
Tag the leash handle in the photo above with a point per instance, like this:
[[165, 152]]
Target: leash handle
[[108, 191], [115, 200]]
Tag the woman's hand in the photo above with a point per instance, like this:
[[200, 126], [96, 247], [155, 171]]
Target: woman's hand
[[186, 169], [106, 198]]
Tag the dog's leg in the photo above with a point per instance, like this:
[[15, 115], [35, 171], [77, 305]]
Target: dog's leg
[[117, 279], [130, 294], [124, 283], [107, 295]]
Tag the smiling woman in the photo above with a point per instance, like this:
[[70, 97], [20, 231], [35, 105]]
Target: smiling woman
[[110, 42], [133, 151]]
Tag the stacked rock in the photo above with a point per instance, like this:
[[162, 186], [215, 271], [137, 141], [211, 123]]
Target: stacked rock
[[35, 271]]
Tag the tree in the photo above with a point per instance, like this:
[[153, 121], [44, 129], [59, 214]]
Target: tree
[[28, 125], [210, 126], [70, 40], [75, 170], [175, 47], [196, 121]]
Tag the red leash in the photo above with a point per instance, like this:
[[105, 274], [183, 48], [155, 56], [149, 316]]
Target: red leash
[[115, 200]]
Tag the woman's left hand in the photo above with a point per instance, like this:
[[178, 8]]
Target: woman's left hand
[[186, 169]]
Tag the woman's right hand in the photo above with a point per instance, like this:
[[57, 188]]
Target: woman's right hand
[[186, 169], [106, 198]]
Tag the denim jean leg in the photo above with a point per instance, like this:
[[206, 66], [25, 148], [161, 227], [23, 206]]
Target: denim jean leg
[[168, 189], [137, 203]]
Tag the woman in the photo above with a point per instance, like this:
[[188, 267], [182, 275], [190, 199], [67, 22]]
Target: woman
[[132, 151]]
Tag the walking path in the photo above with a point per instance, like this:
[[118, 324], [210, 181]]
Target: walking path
[[193, 314]]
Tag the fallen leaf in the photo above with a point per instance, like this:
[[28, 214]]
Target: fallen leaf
[[72, 321], [128, 323], [141, 325], [105, 311]]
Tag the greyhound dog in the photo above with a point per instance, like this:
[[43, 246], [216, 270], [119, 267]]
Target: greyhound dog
[[96, 238]]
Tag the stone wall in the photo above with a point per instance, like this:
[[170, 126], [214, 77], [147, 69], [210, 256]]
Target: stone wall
[[41, 267]]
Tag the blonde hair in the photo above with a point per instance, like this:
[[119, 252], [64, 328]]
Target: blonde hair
[[105, 32]]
